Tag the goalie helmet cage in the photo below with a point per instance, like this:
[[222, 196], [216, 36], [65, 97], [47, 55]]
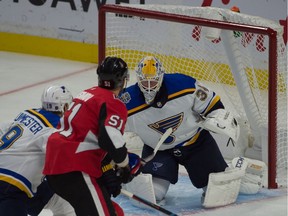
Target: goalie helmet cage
[[241, 57]]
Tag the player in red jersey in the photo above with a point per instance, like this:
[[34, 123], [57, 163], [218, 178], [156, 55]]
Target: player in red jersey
[[87, 160]]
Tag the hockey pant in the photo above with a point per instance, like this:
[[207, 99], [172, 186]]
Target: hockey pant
[[85, 194], [199, 159], [13, 201]]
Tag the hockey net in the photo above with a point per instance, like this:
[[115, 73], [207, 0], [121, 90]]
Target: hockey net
[[241, 57]]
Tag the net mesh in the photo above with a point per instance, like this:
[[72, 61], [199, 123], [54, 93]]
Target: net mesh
[[232, 63]]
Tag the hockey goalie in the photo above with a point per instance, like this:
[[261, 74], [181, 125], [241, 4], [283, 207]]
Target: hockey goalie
[[242, 176], [159, 101]]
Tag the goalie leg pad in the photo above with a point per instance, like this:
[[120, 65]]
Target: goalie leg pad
[[252, 181], [223, 188], [141, 186], [161, 187]]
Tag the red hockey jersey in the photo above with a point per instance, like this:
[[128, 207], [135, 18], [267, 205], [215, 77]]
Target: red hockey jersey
[[92, 127]]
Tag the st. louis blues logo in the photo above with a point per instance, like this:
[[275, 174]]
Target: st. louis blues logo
[[172, 122], [125, 97], [156, 165]]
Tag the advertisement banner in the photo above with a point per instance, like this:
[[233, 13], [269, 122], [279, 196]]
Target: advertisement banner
[[78, 20]]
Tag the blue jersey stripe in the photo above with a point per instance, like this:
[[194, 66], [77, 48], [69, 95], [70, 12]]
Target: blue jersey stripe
[[17, 180]]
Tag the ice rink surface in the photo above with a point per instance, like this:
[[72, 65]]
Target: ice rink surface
[[23, 78]]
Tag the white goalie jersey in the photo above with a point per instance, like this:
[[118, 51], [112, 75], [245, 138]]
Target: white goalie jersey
[[182, 102]]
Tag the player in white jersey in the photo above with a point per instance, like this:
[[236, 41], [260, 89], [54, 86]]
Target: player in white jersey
[[22, 152], [159, 101]]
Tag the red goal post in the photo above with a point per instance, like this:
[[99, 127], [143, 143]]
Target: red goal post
[[248, 58]]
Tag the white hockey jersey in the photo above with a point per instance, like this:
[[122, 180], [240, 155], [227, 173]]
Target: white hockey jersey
[[23, 146], [179, 106]]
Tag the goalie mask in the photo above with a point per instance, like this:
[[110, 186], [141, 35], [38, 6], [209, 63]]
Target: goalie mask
[[149, 77], [55, 97]]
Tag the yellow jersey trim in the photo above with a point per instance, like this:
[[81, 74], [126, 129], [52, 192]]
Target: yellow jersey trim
[[41, 117], [17, 184]]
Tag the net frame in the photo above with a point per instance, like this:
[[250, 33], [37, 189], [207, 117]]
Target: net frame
[[272, 64]]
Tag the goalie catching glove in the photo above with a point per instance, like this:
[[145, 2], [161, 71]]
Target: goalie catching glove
[[221, 121], [128, 172]]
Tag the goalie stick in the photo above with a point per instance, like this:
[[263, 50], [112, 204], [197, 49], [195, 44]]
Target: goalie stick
[[167, 133], [146, 202]]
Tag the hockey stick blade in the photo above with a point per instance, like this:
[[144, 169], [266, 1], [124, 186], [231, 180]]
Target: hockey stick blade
[[146, 202], [167, 133]]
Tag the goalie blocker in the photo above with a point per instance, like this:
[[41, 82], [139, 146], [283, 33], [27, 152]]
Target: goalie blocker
[[221, 121]]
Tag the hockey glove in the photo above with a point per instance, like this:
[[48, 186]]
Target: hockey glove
[[134, 164], [110, 180], [128, 172]]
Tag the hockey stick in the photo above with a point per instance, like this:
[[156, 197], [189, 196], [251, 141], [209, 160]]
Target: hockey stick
[[160, 142], [146, 202]]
